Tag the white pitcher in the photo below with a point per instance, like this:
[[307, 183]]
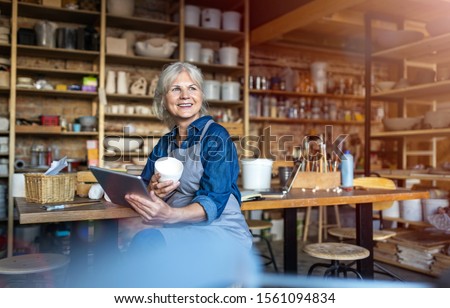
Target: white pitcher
[[122, 82], [111, 82]]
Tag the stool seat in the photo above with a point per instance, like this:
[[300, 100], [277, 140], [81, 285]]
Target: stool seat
[[32, 263], [34, 270], [350, 233], [337, 251]]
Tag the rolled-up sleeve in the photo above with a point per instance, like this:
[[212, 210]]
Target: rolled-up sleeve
[[220, 172]]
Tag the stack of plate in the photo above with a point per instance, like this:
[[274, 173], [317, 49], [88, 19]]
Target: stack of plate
[[4, 35]]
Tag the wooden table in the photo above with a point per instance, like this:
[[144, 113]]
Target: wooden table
[[297, 198], [363, 198]]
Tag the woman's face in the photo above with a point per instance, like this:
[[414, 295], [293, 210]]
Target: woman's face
[[184, 99]]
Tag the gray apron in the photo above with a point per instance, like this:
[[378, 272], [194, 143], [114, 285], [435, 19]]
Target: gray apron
[[230, 224]]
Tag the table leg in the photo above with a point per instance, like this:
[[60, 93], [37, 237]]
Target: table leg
[[87, 253], [364, 237], [290, 240]]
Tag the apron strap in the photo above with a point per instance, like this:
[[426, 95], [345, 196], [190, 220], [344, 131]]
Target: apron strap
[[205, 128]]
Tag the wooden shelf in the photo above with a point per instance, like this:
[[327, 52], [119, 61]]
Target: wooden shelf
[[303, 121], [132, 116], [129, 97], [57, 93], [4, 90], [305, 94], [126, 154], [230, 37], [75, 134], [219, 68], [432, 50], [439, 91], [136, 23], [54, 72], [59, 53], [136, 60], [157, 134], [423, 133], [44, 12]]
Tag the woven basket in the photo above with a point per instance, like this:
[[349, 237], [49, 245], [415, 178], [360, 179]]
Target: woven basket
[[40, 188]]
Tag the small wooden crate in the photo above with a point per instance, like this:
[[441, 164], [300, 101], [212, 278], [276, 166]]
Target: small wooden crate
[[85, 180], [317, 180], [40, 188]]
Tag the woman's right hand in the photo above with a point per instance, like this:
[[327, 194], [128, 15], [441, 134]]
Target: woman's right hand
[[162, 189]]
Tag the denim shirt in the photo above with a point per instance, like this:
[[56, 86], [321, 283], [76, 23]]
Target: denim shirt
[[219, 160]]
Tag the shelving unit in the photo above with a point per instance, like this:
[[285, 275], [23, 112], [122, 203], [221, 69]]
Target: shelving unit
[[96, 63], [430, 52]]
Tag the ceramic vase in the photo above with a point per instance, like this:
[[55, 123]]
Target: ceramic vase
[[111, 82]]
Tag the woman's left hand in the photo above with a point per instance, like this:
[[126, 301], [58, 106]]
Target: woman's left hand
[[152, 209]]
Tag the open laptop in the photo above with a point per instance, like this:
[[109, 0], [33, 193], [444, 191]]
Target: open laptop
[[278, 192], [117, 184]]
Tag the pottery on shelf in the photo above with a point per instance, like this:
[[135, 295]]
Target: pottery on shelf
[[139, 86], [155, 47]]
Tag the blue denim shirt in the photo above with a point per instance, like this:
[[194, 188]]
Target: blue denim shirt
[[219, 159]]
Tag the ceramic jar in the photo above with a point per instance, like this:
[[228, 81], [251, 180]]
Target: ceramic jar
[[122, 82], [120, 7], [111, 82]]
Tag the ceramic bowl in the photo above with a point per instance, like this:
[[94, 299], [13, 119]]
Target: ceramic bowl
[[88, 121], [437, 119], [155, 47], [170, 169], [384, 85], [122, 144], [394, 124]]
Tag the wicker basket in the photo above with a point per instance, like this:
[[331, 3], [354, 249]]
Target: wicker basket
[[40, 188]]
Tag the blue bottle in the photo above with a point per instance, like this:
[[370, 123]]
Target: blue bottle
[[347, 170]]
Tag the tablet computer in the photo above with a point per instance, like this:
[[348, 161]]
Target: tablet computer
[[117, 184]]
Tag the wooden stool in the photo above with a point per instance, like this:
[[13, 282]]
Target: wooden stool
[[255, 224], [40, 270], [378, 235], [322, 222], [336, 252]]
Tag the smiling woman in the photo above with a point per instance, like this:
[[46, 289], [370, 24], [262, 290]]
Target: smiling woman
[[204, 204]]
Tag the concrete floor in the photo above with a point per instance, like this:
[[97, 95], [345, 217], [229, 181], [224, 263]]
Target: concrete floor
[[305, 261]]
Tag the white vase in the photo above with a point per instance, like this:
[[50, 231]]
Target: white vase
[[111, 82], [122, 82], [121, 7]]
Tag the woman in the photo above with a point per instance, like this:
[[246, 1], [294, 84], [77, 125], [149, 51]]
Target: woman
[[205, 203]]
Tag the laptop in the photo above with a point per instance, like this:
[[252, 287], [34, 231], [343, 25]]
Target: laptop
[[278, 192], [117, 184]]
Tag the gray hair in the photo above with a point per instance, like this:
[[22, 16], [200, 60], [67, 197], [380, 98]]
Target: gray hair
[[168, 75]]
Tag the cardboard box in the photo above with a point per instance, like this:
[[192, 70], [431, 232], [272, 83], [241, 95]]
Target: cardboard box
[[54, 3], [117, 46]]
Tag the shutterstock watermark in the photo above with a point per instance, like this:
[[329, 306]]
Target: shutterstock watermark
[[311, 147]]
